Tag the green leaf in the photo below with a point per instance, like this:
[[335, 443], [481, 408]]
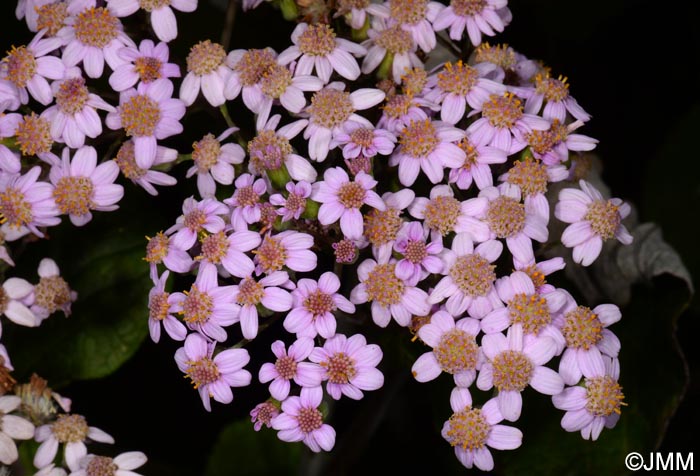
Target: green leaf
[[244, 452]]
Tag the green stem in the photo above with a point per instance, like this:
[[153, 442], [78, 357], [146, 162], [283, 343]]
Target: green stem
[[227, 117]]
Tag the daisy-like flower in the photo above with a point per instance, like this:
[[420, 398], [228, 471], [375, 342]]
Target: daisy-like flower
[[514, 362], [556, 93], [503, 124], [206, 70], [74, 116], [443, 214], [212, 377], [294, 204], [476, 167], [473, 430], [12, 427], [595, 405], [419, 257], [120, 465], [317, 48], [390, 296], [33, 136], [314, 304], [9, 160], [469, 278], [250, 292], [229, 251], [401, 110], [593, 221], [476, 16], [428, 146], [394, 41], [248, 68], [160, 311], [213, 161], [161, 12], [290, 366], [92, 35], [289, 249], [28, 9], [71, 430], [80, 185], [342, 199], [28, 67], [538, 272], [357, 139], [160, 249], [414, 16], [197, 217], [354, 11], [146, 64], [454, 349], [145, 178], [552, 146], [382, 226], [262, 414], [52, 293], [51, 16], [206, 307], [301, 420], [330, 109], [245, 203], [587, 339], [26, 204], [147, 114], [350, 366]]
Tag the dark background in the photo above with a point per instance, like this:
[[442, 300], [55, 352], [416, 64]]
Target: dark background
[[632, 65]]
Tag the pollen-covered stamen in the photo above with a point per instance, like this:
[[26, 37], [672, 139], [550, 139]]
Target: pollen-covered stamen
[[310, 419], [582, 328], [415, 251], [604, 217], [157, 248], [317, 40], [512, 370], [14, 209], [456, 352], [530, 311], [470, 152], [74, 195], [441, 214], [52, 293], [500, 55], [468, 7], [253, 64], [538, 278], [268, 150], [398, 105], [345, 251], [266, 411], [505, 216], [414, 80], [150, 5], [197, 306], [295, 203], [96, 27], [330, 108], [19, 66], [458, 79], [275, 81], [51, 17], [541, 142], [286, 367], [416, 323], [408, 11], [351, 195], [604, 396], [361, 163], [362, 136], [250, 292], [215, 247], [268, 214], [4, 300], [552, 89], [530, 175], [383, 286], [473, 275], [382, 226], [205, 152], [70, 428], [126, 160], [271, 255], [148, 68], [205, 57], [340, 368], [101, 466], [246, 197], [140, 115], [72, 95], [158, 307], [503, 111], [419, 138], [202, 372], [395, 40], [195, 220], [319, 303], [33, 135], [468, 429]]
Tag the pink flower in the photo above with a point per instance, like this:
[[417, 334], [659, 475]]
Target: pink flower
[[454, 349], [12, 427], [382, 226], [295, 203], [212, 377], [245, 202], [314, 304], [14, 294], [301, 420], [161, 12], [70, 430], [28, 9], [476, 166], [229, 251], [263, 413], [250, 292], [514, 362], [389, 295], [145, 178], [146, 64], [401, 110], [552, 146], [213, 162], [321, 50], [160, 311], [357, 139], [196, 217], [538, 271], [206, 70], [80, 185], [472, 430], [289, 249], [26, 204], [556, 93], [9, 159], [478, 17], [414, 16], [248, 68], [90, 464], [354, 12], [290, 366], [160, 249], [148, 113], [52, 293], [419, 260], [593, 220], [390, 40]]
